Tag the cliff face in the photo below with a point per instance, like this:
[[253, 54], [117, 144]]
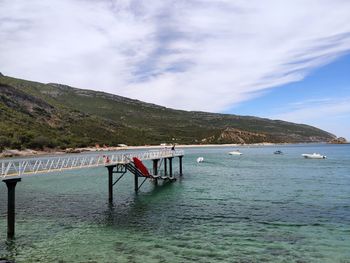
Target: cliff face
[[62, 116]]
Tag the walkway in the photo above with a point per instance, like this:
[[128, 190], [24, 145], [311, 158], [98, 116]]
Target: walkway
[[19, 168]]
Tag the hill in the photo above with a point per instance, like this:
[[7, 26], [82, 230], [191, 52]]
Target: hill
[[36, 115]]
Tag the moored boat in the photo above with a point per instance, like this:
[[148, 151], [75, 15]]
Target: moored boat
[[235, 153], [313, 156], [278, 152], [200, 159]]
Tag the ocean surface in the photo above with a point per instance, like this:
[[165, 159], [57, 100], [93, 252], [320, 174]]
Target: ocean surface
[[258, 207]]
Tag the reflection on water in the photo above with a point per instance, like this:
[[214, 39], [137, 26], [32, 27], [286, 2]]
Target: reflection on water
[[252, 208]]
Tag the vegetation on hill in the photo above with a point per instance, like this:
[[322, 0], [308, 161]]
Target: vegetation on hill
[[36, 115]]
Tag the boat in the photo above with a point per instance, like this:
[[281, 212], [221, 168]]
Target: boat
[[278, 152], [313, 156], [200, 159], [237, 152]]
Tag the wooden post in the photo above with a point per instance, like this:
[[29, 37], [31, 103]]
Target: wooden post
[[11, 198], [110, 183], [180, 165]]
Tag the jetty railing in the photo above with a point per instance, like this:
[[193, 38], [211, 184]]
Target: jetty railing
[[31, 166]]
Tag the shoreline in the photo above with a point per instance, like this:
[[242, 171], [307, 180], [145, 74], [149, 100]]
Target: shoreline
[[8, 153]]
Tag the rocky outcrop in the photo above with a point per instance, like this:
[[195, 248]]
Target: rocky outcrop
[[72, 150], [232, 135], [339, 140], [16, 153], [25, 103]]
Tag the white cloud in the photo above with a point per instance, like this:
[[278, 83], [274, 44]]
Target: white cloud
[[331, 114], [189, 54]]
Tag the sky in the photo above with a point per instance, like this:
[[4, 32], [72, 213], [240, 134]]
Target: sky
[[285, 60]]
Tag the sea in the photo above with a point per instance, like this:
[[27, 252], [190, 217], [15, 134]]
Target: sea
[[257, 207]]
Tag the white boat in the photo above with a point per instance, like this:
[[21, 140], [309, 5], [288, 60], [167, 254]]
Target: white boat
[[314, 156], [235, 153], [200, 159]]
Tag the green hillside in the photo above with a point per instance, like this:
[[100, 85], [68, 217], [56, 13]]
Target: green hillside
[[37, 115]]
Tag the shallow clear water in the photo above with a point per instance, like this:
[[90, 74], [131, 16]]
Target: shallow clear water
[[258, 207]]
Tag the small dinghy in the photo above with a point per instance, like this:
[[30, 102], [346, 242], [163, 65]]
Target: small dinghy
[[314, 156], [278, 152], [200, 159], [235, 153]]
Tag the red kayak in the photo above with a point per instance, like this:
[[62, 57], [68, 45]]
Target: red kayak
[[139, 165]]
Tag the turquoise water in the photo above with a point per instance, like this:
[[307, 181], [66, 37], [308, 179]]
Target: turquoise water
[[258, 207]]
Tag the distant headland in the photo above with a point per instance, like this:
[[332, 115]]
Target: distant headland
[[55, 117]]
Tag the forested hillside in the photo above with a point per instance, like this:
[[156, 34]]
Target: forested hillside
[[36, 115]]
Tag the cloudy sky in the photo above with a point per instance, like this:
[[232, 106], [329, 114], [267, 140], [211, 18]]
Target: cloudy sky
[[280, 59]]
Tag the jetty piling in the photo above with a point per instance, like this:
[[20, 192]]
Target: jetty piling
[[165, 167], [170, 166], [11, 198], [180, 164], [120, 169], [155, 166], [136, 182], [110, 183], [155, 170]]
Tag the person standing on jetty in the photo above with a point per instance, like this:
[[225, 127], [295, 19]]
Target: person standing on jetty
[[173, 149]]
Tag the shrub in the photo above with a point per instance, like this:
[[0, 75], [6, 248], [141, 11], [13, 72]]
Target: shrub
[[4, 142], [40, 142]]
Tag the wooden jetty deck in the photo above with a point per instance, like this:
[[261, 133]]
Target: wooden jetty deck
[[13, 171]]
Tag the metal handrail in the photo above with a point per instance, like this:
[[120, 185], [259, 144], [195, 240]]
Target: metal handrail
[[30, 166]]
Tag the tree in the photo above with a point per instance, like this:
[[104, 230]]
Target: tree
[[40, 142], [4, 142]]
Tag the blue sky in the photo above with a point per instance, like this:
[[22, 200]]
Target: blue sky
[[278, 59], [326, 88]]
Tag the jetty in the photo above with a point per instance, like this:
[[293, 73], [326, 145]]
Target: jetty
[[13, 171]]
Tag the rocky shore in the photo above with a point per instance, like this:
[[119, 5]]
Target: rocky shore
[[339, 140]]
